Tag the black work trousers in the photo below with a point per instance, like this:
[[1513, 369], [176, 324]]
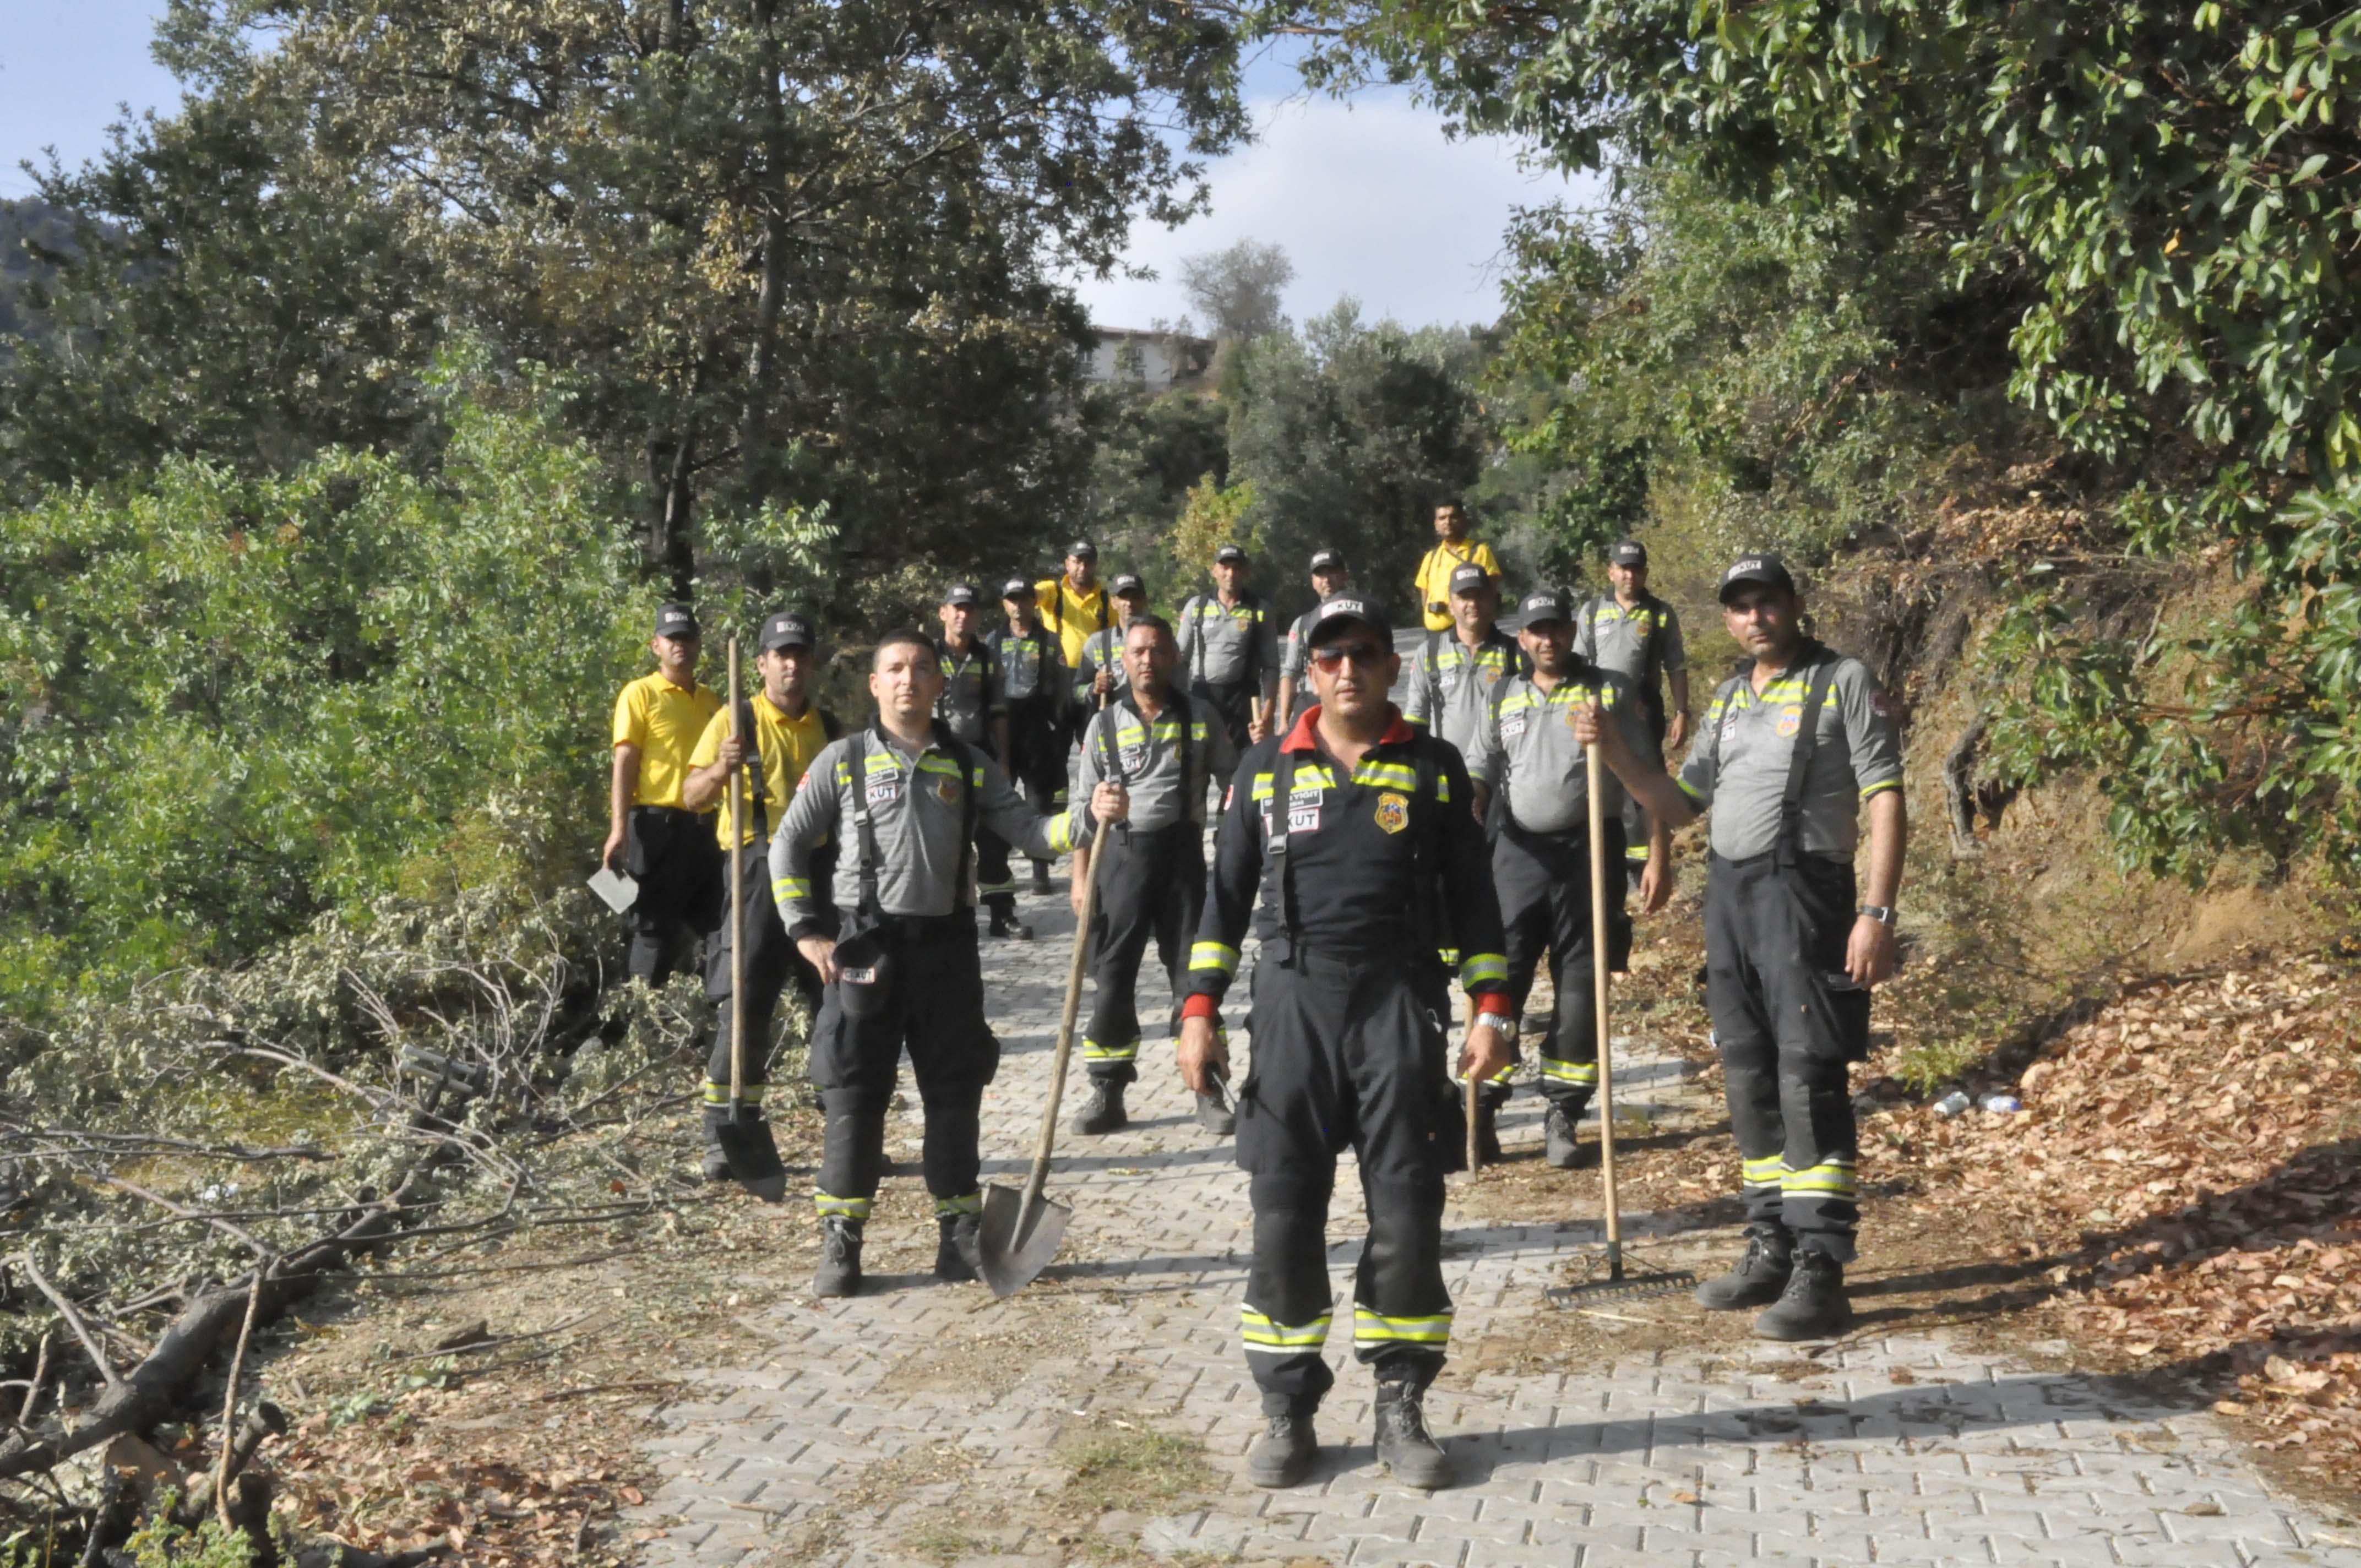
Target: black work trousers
[[772, 965], [1788, 1021], [1544, 886], [1039, 741], [1153, 886], [934, 1012], [673, 857], [1346, 1055]]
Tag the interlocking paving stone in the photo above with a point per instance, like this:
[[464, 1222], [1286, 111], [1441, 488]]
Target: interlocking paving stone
[[1979, 1462]]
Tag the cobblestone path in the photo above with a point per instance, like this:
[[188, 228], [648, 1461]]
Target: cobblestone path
[[886, 1429]]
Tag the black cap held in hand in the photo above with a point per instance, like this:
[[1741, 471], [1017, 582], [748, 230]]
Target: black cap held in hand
[[787, 630], [1768, 570], [676, 620]]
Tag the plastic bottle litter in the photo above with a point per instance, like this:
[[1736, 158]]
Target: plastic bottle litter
[[1954, 1102], [2001, 1104]]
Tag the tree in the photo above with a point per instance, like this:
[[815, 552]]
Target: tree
[[1237, 290], [796, 254], [2148, 216]]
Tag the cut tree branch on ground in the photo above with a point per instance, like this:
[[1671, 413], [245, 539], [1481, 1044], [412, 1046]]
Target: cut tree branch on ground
[[66, 1309]]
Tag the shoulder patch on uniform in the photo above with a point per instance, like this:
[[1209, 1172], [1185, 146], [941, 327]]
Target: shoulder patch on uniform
[[1394, 812]]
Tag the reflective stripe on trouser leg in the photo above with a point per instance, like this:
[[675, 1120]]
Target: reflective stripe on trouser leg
[[716, 1095], [964, 1203], [1402, 1309], [1288, 1294]]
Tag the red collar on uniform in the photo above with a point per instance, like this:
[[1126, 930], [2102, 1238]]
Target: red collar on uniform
[[1299, 738]]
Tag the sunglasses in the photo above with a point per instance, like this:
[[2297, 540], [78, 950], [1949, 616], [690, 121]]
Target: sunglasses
[[1332, 655]]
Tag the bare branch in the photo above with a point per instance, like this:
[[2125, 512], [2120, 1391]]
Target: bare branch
[[73, 1319]]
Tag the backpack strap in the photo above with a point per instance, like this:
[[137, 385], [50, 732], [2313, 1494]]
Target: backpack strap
[[970, 765], [1818, 668], [865, 833], [1282, 798], [1192, 805]]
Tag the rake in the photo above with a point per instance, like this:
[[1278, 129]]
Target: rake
[[1618, 1285]]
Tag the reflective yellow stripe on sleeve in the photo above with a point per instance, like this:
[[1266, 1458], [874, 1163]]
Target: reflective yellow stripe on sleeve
[[1062, 833], [1218, 957], [1881, 788], [788, 887], [1478, 968]]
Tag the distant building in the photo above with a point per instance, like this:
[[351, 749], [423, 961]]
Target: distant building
[[1157, 360]]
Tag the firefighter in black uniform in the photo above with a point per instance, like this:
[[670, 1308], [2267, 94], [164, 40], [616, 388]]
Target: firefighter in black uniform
[[1161, 747], [975, 705], [1791, 755], [1351, 829]]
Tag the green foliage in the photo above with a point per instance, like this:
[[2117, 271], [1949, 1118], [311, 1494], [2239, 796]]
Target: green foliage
[[1147, 452], [1349, 434], [246, 699], [2146, 215], [160, 1543]]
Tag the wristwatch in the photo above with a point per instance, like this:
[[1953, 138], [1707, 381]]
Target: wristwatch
[[1883, 913]]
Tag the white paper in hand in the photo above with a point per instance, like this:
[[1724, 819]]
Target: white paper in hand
[[620, 890]]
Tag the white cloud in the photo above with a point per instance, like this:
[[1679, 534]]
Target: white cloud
[[1368, 197]]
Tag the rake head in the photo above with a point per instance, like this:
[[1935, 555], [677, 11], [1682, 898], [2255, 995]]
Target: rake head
[[1618, 1285]]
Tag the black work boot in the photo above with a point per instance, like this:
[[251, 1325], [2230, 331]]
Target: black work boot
[[959, 1255], [840, 1257], [1006, 924], [1216, 1116], [1757, 1278], [1562, 1152], [1813, 1306], [1042, 888], [1404, 1445], [715, 1165], [1102, 1111], [1282, 1455]]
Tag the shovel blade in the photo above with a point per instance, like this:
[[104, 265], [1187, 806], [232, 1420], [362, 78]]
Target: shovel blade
[[1011, 1262], [754, 1157]]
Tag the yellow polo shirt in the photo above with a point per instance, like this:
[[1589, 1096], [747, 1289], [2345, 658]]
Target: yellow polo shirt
[[787, 746], [1073, 615], [664, 721], [1434, 576]]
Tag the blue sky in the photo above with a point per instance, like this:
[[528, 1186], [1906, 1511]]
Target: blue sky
[[1368, 197]]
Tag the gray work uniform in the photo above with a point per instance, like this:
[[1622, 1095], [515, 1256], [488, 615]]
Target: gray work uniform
[[1028, 664], [1228, 645], [1779, 913], [924, 945], [1527, 751], [916, 808], [1640, 643], [1153, 883], [1102, 649], [1450, 686], [1295, 647], [971, 697]]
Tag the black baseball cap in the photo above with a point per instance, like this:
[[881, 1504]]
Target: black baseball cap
[[787, 630], [1349, 606], [1231, 554], [1016, 588], [1545, 605], [961, 593], [1327, 561], [1467, 577], [676, 620], [1126, 584], [1627, 553], [1768, 570], [1083, 549]]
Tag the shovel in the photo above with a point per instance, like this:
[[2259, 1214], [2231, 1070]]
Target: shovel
[[1617, 1286], [746, 1142], [1021, 1232]]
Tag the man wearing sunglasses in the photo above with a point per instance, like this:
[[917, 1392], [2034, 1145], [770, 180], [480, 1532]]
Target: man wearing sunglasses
[[1340, 841], [1525, 751]]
